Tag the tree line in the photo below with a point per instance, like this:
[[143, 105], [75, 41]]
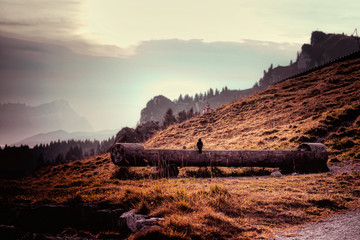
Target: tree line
[[170, 118], [200, 96], [20, 161]]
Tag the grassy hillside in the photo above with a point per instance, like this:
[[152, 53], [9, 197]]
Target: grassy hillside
[[322, 106]]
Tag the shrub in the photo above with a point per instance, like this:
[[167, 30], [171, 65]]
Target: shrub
[[123, 173], [319, 131], [343, 145], [204, 172]]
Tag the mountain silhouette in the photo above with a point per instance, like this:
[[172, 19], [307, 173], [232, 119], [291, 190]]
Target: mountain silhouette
[[18, 121]]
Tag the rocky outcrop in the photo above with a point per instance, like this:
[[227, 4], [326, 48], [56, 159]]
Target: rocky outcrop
[[140, 134], [155, 109], [322, 49], [137, 222]]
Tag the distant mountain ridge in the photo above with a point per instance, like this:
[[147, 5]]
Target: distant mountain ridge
[[18, 121], [46, 138], [155, 109], [322, 49]]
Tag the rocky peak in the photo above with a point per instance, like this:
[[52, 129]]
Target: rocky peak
[[155, 109], [317, 37], [322, 49]]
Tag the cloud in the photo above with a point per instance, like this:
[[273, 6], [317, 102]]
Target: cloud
[[42, 20], [37, 72], [15, 23]]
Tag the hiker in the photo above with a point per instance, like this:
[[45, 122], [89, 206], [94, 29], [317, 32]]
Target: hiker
[[200, 145]]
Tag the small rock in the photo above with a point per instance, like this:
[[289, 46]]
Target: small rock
[[276, 174], [135, 222], [154, 169]]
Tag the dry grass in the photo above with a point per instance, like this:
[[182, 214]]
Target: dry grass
[[208, 208]]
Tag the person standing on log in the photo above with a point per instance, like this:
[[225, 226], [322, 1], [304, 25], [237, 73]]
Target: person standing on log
[[200, 145]]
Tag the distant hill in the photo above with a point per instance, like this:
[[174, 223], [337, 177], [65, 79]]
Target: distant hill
[[18, 121], [321, 106], [62, 135], [156, 108], [322, 49]]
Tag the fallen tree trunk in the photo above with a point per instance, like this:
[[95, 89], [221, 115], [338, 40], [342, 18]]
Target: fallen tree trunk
[[308, 157]]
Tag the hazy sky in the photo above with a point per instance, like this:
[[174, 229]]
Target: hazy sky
[[109, 57]]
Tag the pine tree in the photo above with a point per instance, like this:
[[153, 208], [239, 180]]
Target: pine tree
[[169, 118], [180, 99], [196, 97], [181, 116], [201, 96], [190, 113], [211, 93], [271, 67]]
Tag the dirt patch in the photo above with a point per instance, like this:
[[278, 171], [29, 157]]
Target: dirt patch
[[341, 226], [344, 166]]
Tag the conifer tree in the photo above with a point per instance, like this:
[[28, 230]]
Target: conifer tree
[[169, 118], [182, 116]]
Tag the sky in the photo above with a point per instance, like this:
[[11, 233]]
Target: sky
[[108, 58]]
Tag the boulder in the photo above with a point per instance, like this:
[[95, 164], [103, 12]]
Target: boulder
[[136, 222]]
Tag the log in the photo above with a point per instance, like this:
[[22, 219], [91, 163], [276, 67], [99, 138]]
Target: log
[[308, 157]]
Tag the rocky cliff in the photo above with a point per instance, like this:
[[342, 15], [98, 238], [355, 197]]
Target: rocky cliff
[[322, 49]]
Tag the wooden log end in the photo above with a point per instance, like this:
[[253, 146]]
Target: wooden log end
[[127, 154], [313, 158]]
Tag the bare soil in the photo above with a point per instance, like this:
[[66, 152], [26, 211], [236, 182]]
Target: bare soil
[[340, 226]]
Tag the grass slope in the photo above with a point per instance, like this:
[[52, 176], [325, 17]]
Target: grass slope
[[322, 106]]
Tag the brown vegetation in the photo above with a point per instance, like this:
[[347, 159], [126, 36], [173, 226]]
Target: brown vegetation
[[193, 208]]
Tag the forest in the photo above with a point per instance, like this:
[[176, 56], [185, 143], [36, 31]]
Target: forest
[[23, 160]]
